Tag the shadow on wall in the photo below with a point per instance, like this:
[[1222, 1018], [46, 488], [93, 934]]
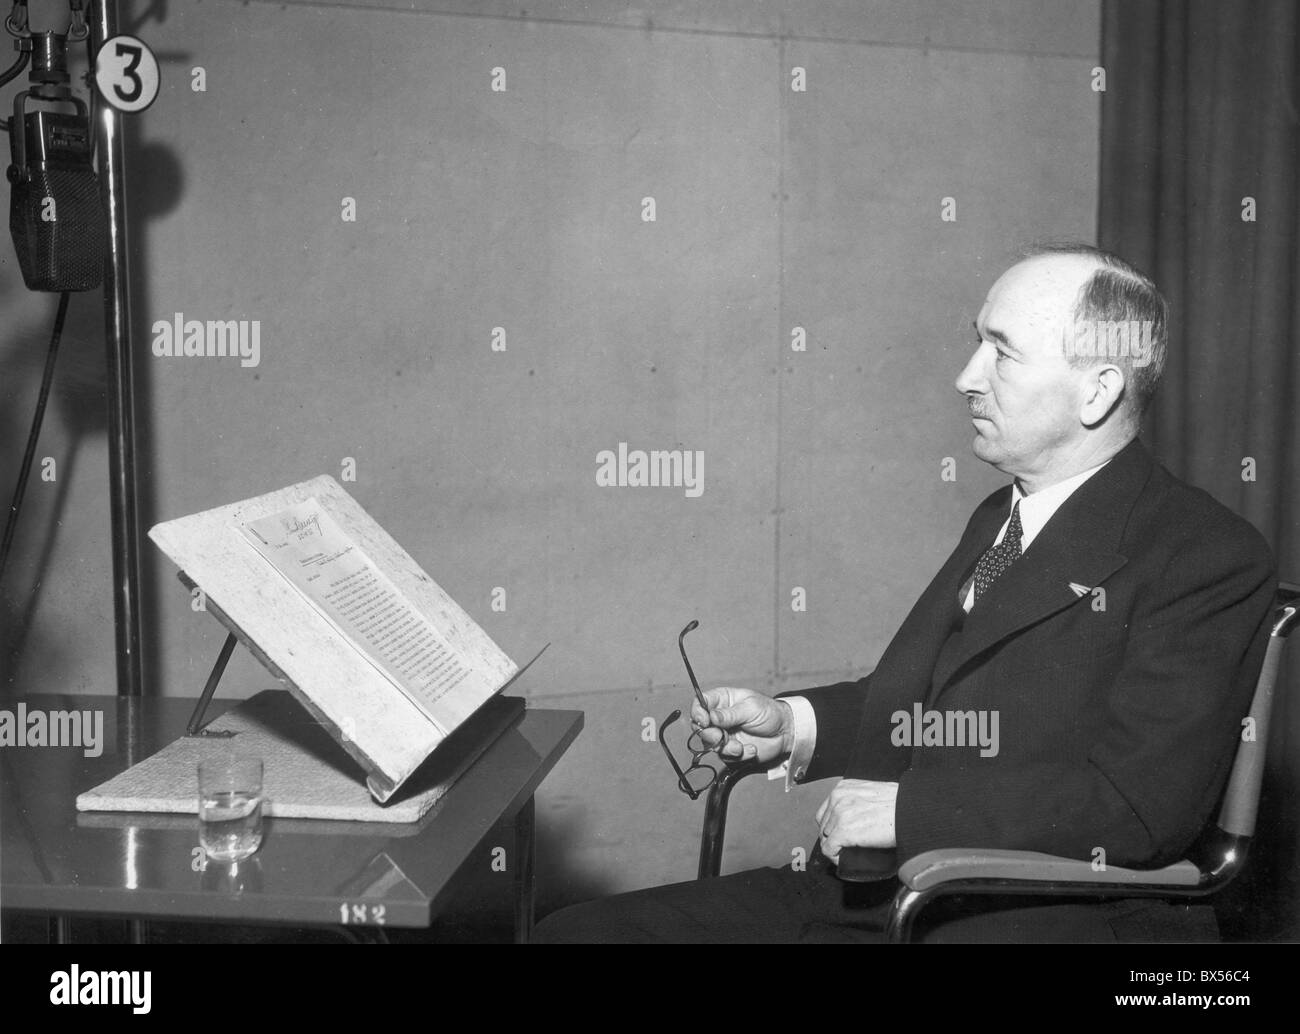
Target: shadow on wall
[[76, 415], [77, 410], [561, 879], [155, 184]]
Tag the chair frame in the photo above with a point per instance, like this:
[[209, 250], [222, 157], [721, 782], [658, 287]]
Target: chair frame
[[1213, 861]]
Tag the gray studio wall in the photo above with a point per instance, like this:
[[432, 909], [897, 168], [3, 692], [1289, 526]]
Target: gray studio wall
[[522, 209]]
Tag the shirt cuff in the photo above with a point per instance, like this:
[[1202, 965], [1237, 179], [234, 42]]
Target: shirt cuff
[[805, 740]]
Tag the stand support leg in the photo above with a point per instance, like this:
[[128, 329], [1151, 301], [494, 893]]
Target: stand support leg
[[218, 669]]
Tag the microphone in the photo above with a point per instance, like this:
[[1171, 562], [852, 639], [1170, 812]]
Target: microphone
[[56, 215]]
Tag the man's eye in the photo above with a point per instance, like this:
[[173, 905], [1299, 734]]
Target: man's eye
[[1003, 355]]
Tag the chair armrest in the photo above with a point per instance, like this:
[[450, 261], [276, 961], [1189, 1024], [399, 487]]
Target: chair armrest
[[933, 869], [970, 871], [715, 814], [867, 864]]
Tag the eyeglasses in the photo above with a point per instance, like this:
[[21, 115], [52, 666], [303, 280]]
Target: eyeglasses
[[697, 777]]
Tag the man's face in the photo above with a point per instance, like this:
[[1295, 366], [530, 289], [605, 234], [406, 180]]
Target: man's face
[[1024, 396]]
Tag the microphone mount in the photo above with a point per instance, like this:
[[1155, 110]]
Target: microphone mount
[[48, 75], [16, 23], [18, 26]]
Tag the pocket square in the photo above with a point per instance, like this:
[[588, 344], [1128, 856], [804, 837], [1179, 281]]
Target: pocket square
[[1080, 590]]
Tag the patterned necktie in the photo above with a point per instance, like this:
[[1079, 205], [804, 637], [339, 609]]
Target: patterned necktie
[[997, 559]]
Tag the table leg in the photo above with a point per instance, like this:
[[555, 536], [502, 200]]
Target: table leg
[[525, 878], [60, 930]]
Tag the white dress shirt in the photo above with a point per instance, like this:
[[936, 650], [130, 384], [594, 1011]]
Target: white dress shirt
[[1035, 511]]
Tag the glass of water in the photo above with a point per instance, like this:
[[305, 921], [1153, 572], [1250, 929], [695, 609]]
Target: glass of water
[[230, 807]]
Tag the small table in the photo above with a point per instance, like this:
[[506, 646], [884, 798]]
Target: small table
[[362, 875]]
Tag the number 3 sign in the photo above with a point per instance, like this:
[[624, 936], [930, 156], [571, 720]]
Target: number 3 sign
[[126, 73]]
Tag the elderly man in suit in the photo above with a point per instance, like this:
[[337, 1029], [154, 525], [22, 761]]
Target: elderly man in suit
[[1105, 619]]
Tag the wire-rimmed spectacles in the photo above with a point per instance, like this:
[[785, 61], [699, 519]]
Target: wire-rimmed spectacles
[[696, 777]]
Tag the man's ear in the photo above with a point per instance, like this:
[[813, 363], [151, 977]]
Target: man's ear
[[1102, 391]]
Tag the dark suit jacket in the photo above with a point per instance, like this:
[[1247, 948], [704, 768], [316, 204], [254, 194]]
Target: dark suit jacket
[[1117, 726]]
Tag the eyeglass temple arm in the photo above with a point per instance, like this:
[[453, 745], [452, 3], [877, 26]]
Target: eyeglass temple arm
[[681, 646], [695, 685]]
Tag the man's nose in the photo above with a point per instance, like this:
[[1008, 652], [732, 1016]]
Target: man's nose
[[972, 379]]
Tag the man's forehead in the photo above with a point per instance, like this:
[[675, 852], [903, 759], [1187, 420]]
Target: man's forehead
[[1039, 289]]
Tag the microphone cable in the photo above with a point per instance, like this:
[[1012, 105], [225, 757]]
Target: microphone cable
[[16, 25], [47, 380]]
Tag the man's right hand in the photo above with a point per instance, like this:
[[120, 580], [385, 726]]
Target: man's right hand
[[755, 725]]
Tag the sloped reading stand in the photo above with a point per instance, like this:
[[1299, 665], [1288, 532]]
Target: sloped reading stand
[[352, 746]]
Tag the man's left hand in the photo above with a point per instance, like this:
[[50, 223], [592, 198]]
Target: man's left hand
[[858, 813]]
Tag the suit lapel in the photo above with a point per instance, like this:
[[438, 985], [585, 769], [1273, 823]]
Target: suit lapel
[[1076, 545]]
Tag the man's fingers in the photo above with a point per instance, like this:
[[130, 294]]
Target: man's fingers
[[831, 846], [723, 696], [734, 724], [856, 814], [711, 736], [738, 746], [731, 706], [725, 717]]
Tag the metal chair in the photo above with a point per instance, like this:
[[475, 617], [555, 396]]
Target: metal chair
[[1212, 862]]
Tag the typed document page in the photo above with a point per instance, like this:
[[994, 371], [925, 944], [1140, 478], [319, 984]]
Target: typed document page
[[305, 545]]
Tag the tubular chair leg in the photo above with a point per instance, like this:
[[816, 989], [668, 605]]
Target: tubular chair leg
[[906, 907]]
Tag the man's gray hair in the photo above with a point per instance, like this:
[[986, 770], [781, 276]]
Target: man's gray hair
[[1118, 299]]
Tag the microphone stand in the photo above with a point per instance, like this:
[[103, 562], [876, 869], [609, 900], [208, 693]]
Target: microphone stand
[[123, 497], [121, 390]]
